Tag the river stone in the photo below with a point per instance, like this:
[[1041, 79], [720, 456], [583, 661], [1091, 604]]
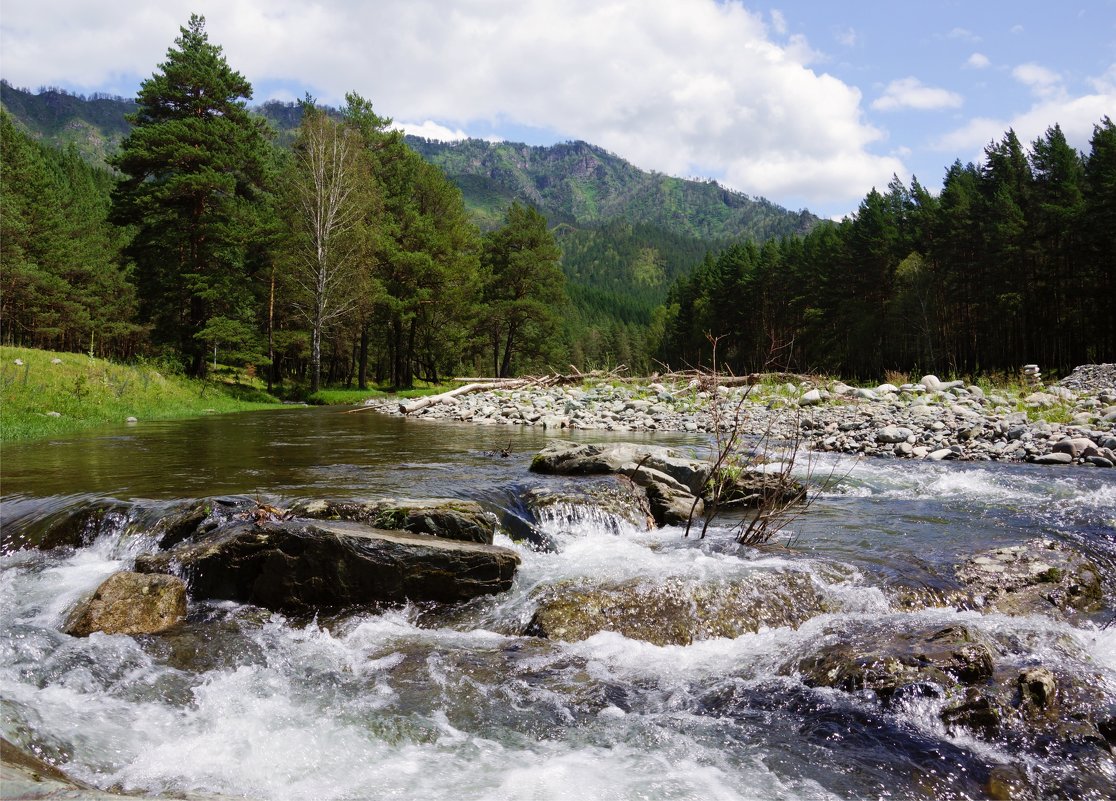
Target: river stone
[[439, 517], [1038, 577], [611, 499], [1076, 447], [811, 398], [571, 458], [1054, 458], [300, 566], [131, 603], [678, 611], [76, 526], [1037, 687], [892, 434]]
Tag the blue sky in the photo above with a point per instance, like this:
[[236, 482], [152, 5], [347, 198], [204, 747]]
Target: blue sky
[[809, 104]]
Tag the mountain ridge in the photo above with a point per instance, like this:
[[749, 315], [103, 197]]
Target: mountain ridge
[[571, 182]]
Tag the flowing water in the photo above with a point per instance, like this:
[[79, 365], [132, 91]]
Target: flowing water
[[418, 703]]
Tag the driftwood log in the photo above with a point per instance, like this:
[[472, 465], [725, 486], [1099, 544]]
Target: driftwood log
[[407, 407]]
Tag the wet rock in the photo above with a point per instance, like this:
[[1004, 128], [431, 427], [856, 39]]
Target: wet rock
[[571, 458], [1038, 577], [676, 611], [977, 712], [300, 566], [886, 662], [197, 519], [671, 506], [24, 776], [751, 489], [131, 603], [75, 527], [616, 497], [439, 517], [1037, 687]]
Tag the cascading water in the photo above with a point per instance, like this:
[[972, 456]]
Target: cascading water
[[421, 702]]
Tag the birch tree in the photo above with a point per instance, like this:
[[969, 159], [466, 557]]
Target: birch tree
[[330, 200]]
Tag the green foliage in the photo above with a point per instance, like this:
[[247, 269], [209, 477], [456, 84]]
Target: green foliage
[[523, 292], [89, 393], [62, 284], [1006, 267], [195, 168]]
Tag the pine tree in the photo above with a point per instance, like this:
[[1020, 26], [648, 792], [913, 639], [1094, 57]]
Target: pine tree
[[195, 167], [524, 287]]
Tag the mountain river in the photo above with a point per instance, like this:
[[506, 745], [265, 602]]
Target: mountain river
[[421, 703]]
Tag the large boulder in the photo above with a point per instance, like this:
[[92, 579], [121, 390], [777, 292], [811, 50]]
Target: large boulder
[[439, 517], [677, 611], [572, 458], [303, 566], [130, 603], [1038, 577]]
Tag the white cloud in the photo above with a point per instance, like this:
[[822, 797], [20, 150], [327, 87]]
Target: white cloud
[[963, 34], [1075, 115], [1043, 82], [1017, 29], [977, 61], [778, 22], [912, 93], [432, 130], [683, 88]]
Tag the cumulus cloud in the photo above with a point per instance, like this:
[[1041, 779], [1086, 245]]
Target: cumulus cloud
[[1042, 81], [696, 88], [977, 61], [912, 93], [1075, 115]]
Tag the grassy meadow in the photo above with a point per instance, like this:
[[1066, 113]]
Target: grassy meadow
[[44, 393]]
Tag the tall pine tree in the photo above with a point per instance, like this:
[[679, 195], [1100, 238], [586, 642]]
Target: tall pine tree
[[195, 166]]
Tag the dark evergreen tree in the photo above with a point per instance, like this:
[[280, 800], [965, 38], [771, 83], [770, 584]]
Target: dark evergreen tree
[[523, 289], [195, 168]]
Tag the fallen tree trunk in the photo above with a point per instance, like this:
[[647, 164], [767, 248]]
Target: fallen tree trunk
[[430, 400]]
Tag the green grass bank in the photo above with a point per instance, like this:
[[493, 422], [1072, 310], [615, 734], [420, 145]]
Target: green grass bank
[[44, 394]]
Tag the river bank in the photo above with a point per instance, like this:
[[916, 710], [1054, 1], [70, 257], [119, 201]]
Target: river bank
[[1071, 422], [46, 393]]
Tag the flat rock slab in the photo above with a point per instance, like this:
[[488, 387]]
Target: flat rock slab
[[304, 566], [439, 517], [677, 611]]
